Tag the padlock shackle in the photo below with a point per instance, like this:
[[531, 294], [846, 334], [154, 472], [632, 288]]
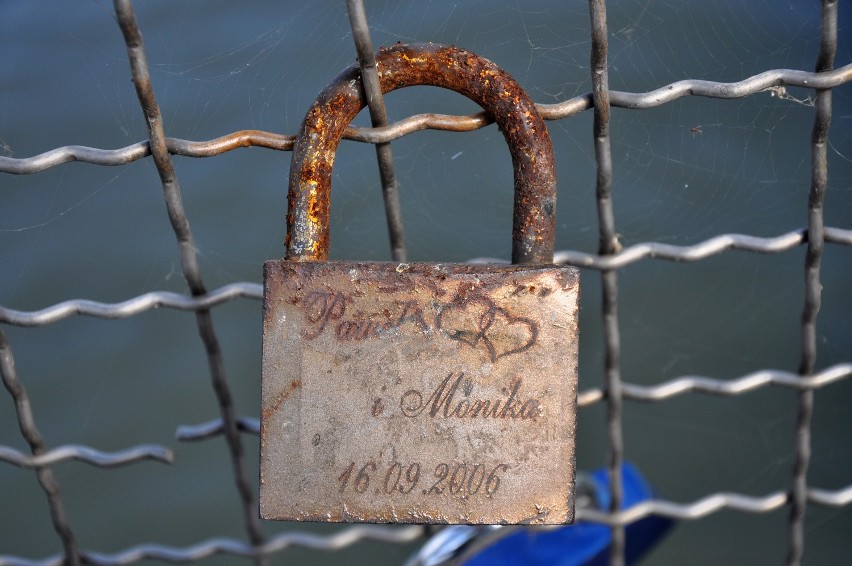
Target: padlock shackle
[[534, 218]]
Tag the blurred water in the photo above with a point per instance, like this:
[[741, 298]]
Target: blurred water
[[83, 231]]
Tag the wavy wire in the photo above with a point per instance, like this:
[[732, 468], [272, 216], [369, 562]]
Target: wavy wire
[[629, 255], [210, 547], [341, 539], [711, 504], [88, 455], [766, 81]]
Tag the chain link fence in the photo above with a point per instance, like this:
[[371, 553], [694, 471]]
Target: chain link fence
[[42, 456]]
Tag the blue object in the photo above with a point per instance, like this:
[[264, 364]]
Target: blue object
[[582, 544]]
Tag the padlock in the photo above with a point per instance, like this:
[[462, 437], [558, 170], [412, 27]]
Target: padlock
[[420, 393]]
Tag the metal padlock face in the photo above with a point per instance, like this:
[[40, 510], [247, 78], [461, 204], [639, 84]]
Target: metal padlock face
[[418, 393]]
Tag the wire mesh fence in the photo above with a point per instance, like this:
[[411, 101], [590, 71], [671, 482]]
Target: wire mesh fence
[[41, 455]]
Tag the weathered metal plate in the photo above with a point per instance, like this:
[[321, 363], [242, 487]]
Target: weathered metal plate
[[418, 393]]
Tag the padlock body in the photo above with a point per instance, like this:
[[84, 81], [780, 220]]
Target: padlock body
[[419, 393]]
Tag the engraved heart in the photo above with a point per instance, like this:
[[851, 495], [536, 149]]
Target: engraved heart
[[477, 320]]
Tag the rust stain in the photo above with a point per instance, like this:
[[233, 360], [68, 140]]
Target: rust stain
[[533, 225], [279, 400]]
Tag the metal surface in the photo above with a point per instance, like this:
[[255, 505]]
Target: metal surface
[[418, 393], [533, 224]]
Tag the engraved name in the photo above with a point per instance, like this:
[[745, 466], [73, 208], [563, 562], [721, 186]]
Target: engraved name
[[327, 309], [441, 403], [475, 320]]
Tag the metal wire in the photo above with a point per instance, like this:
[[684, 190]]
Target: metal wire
[[131, 307], [212, 428], [378, 117], [46, 479], [213, 546], [763, 82], [738, 386], [712, 504], [813, 288], [88, 455], [608, 245], [189, 262], [624, 258], [609, 259]]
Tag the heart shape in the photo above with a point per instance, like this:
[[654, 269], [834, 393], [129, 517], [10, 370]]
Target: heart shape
[[478, 320]]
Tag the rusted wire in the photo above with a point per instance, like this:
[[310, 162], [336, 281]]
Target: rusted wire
[[189, 261], [255, 138], [378, 117]]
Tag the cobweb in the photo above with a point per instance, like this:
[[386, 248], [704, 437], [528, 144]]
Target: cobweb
[[683, 172]]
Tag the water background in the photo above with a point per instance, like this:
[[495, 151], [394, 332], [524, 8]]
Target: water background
[[683, 172]]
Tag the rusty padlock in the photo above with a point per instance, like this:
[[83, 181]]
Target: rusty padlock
[[420, 393]]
